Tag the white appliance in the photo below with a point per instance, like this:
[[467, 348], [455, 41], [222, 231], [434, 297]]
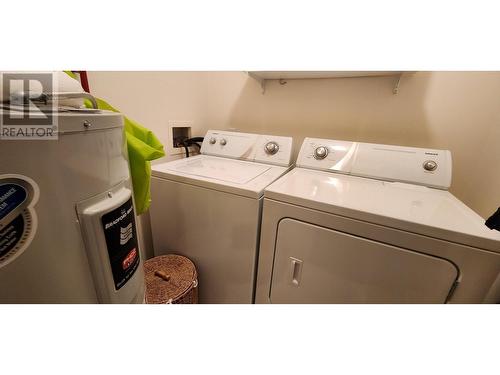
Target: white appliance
[[368, 223], [208, 208], [67, 222]]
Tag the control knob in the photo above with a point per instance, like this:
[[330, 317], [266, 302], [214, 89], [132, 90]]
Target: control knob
[[223, 142], [320, 153], [271, 148], [212, 141], [430, 165]]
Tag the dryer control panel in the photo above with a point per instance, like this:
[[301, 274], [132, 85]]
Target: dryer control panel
[[270, 149], [428, 167]]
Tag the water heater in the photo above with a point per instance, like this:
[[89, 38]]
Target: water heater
[[67, 220]]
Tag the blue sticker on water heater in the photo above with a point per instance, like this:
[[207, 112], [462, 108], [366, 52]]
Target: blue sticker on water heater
[[18, 221], [12, 196]]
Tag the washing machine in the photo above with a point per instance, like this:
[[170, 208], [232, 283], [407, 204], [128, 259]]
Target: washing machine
[[208, 208], [67, 218], [369, 223]]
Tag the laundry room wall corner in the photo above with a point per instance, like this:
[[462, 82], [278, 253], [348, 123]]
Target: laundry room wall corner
[[145, 237]]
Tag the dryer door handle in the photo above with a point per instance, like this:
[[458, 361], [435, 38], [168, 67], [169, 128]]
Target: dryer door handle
[[295, 271]]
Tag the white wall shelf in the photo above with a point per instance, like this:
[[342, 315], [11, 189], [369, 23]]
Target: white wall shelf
[[262, 76]]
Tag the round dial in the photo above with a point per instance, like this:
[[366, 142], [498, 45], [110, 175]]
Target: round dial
[[321, 152], [212, 141], [271, 148], [223, 142], [430, 165]]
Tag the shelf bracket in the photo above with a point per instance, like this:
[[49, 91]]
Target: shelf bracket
[[262, 82], [395, 90], [263, 86]]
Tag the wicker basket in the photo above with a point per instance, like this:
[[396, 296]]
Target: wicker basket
[[170, 279]]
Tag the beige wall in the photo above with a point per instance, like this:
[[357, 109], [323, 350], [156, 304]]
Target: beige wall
[[155, 99], [459, 111]]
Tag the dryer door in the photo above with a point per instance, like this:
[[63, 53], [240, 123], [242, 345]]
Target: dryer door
[[318, 265]]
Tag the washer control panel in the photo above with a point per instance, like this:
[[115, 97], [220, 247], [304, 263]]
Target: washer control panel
[[269, 149], [420, 166]]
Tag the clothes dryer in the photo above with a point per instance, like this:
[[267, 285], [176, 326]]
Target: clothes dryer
[[370, 223]]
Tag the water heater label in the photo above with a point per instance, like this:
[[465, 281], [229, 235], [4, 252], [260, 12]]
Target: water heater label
[[121, 239], [18, 195]]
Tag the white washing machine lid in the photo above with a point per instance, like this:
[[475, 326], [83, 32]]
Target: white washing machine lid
[[418, 209], [229, 175]]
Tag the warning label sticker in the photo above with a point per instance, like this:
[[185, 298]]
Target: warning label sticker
[[121, 239], [18, 195]]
